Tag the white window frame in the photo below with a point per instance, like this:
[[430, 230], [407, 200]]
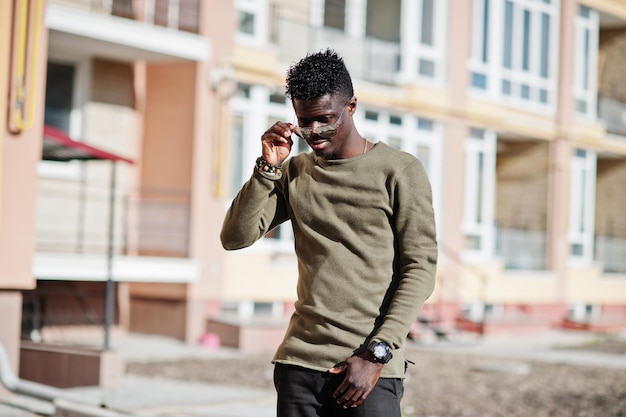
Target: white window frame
[[491, 65], [411, 137], [413, 50], [259, 9], [581, 228], [480, 224], [586, 63]]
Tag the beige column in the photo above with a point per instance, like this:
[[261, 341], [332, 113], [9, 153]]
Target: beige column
[[20, 152], [452, 239], [558, 204], [212, 132]]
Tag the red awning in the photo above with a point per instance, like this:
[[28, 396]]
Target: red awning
[[58, 146]]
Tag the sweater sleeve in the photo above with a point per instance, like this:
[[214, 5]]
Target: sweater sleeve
[[416, 253], [258, 208]]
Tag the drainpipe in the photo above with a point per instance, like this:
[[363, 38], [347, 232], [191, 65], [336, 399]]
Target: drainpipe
[[21, 386]]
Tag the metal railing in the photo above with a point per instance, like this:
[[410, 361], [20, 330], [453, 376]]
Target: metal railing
[[175, 14], [613, 114], [611, 253], [369, 59], [522, 249], [73, 218]]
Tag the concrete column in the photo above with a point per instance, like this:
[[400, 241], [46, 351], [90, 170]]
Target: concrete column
[[452, 240], [558, 204], [10, 329]]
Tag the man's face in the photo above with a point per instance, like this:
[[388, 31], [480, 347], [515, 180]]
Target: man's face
[[321, 122]]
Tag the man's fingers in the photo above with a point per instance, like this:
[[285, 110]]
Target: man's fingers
[[338, 368]]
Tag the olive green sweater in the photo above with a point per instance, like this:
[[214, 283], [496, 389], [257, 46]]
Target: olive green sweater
[[365, 241]]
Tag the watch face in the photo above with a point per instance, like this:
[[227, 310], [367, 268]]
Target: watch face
[[379, 351]]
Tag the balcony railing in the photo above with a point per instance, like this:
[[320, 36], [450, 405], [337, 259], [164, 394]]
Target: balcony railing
[[176, 14], [368, 59], [522, 249], [73, 218], [613, 114], [611, 253], [158, 223]]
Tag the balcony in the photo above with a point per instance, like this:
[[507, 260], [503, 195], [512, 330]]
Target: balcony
[[613, 114], [150, 234], [522, 249], [369, 59], [174, 14], [611, 253], [128, 30]]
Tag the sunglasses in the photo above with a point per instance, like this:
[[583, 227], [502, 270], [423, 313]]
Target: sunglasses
[[324, 131]]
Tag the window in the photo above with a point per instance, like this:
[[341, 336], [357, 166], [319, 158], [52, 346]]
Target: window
[[252, 23], [424, 44], [582, 206], [514, 51], [59, 95], [478, 210], [335, 14], [67, 79], [586, 62]]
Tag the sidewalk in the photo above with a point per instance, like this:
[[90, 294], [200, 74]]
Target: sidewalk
[[145, 396], [142, 396], [552, 346]]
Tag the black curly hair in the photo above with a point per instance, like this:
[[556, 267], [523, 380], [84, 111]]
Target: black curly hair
[[319, 74]]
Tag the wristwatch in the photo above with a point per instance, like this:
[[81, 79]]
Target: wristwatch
[[380, 351]]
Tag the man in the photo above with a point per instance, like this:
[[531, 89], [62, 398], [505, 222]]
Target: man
[[364, 237]]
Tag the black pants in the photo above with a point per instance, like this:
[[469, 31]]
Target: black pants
[[307, 393]]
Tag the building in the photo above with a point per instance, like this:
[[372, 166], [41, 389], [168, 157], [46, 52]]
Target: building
[[517, 108], [107, 162]]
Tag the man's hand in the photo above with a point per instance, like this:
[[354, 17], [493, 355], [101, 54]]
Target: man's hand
[[361, 377], [276, 143]]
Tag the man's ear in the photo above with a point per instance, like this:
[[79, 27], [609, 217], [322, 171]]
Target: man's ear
[[352, 105]]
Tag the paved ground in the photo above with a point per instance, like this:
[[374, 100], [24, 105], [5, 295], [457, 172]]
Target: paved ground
[[141, 396]]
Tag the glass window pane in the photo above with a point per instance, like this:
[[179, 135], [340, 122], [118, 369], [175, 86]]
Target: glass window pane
[[59, 92], [472, 242], [246, 23], [576, 249], [427, 22], [335, 14], [371, 115], [543, 96], [236, 167], [507, 53], [425, 124], [526, 44], [243, 90], [545, 46], [584, 11], [395, 120], [506, 87], [278, 98], [525, 91], [486, 31], [477, 133], [586, 62], [479, 80], [480, 188], [426, 67]]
